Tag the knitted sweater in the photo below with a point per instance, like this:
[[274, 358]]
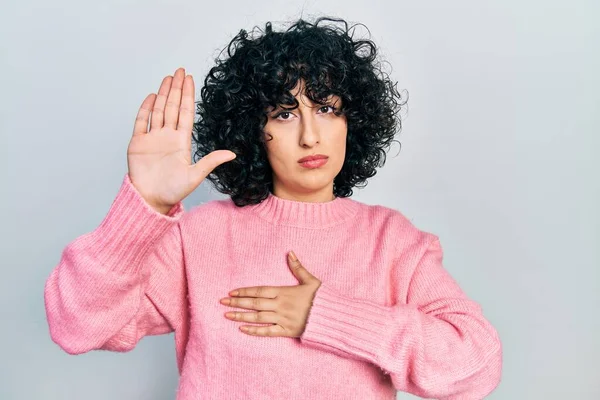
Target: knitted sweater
[[386, 317]]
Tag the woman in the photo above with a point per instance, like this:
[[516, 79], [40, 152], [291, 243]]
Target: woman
[[288, 289]]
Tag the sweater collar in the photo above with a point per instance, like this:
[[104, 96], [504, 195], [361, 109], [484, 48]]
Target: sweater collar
[[279, 211]]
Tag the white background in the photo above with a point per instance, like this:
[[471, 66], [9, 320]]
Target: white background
[[499, 158]]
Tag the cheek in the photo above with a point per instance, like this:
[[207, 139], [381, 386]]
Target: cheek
[[278, 155], [340, 142], [271, 145]]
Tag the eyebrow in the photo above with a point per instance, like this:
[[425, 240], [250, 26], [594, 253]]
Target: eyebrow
[[331, 99]]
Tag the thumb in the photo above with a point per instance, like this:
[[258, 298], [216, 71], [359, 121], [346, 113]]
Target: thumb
[[209, 162], [298, 269]]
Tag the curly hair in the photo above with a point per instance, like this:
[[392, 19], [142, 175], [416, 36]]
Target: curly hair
[[259, 73]]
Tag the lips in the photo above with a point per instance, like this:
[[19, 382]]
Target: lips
[[312, 162], [312, 158]]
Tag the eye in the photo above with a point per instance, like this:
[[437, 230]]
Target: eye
[[285, 116], [328, 106], [283, 113]]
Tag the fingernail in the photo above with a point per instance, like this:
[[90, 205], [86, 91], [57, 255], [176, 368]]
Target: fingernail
[[293, 256]]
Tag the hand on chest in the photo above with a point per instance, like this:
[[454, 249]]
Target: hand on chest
[[262, 297]]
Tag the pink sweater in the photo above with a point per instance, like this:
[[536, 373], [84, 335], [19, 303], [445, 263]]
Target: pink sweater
[[387, 316]]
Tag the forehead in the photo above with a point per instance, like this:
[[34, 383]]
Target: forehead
[[299, 92]]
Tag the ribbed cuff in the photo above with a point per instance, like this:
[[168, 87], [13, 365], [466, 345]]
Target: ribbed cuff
[[129, 229], [353, 326]]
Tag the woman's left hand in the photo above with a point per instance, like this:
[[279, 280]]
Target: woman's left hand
[[286, 307]]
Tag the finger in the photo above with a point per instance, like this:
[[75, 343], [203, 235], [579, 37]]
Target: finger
[[272, 330], [158, 112], [187, 110], [269, 292], [298, 269], [209, 162], [261, 317], [174, 99], [141, 120], [253, 303]]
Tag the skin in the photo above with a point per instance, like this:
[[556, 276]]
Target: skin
[[285, 307], [307, 130]]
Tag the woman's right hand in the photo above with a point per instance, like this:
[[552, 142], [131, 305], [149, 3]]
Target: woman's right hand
[[159, 160]]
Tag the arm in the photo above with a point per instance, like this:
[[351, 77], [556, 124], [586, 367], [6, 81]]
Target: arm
[[120, 282], [438, 345]]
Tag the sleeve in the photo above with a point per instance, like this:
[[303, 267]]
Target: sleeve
[[120, 282], [437, 345]]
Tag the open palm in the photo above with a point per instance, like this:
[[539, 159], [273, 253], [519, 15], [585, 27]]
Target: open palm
[[159, 159]]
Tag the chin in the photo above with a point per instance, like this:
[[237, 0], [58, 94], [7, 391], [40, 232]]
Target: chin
[[314, 185]]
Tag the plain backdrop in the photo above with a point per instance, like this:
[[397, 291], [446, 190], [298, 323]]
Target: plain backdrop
[[498, 158]]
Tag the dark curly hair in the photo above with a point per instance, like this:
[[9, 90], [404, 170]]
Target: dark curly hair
[[259, 73]]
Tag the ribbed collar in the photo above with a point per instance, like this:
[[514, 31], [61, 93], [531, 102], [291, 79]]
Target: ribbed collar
[[280, 211]]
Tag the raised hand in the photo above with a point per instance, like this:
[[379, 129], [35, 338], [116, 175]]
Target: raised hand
[[159, 159]]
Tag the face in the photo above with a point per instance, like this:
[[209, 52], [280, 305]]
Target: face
[[309, 130]]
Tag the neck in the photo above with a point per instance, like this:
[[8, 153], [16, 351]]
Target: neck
[[316, 196]]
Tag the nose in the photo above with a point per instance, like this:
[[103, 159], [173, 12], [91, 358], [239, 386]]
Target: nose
[[309, 132]]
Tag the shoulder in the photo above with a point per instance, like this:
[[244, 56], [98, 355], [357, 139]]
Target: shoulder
[[398, 228], [393, 219], [213, 206], [209, 213]]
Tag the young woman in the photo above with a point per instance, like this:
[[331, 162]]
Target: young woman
[[288, 289]]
